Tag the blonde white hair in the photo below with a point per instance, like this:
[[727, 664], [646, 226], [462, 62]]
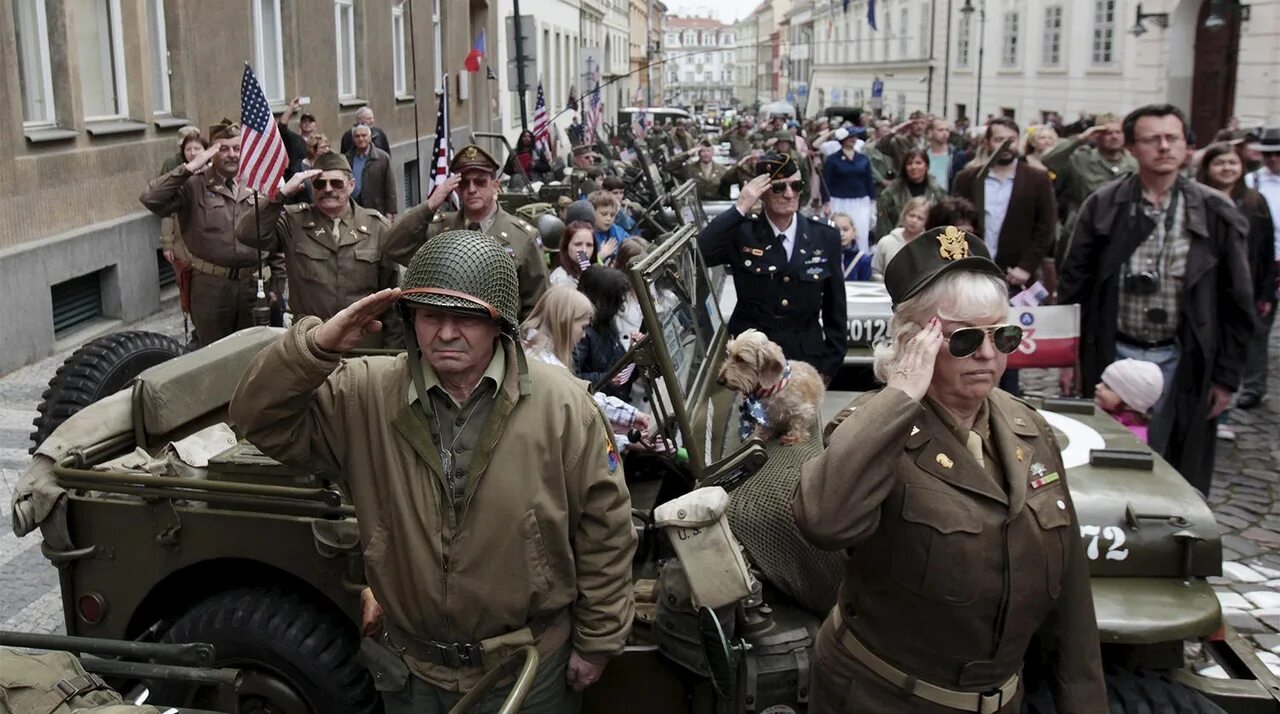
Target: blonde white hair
[[958, 296]]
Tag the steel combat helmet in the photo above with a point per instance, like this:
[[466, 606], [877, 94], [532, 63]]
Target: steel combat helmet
[[464, 271]]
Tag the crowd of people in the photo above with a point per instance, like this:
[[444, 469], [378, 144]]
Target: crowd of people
[[1170, 252]]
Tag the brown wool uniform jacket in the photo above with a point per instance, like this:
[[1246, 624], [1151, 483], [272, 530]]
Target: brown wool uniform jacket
[[950, 574], [329, 266], [520, 239], [545, 526], [206, 211]]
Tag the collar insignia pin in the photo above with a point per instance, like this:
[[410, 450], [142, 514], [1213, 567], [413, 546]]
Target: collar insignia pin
[[1038, 469], [1018, 453], [915, 430], [945, 461]]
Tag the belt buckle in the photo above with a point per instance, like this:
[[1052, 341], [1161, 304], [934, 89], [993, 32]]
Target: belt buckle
[[990, 702]]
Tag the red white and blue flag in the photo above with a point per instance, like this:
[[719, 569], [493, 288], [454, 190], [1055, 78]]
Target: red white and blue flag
[[476, 55], [262, 154], [541, 123], [593, 115], [440, 161]]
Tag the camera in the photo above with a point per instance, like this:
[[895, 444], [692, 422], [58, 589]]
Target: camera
[[1145, 283]]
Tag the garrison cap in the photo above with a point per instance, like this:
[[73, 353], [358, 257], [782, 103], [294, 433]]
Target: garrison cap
[[583, 150], [784, 135], [777, 166], [222, 129], [332, 161], [930, 255], [473, 158]]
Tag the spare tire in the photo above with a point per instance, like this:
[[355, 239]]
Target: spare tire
[[100, 367]]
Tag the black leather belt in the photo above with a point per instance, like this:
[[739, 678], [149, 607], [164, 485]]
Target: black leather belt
[[454, 655], [1145, 344]]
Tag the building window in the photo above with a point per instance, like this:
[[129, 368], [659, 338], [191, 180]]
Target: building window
[[903, 24], [888, 32], [857, 40], [160, 98], [399, 66], [924, 30], [1051, 52], [101, 48], [1010, 56], [268, 48], [35, 74], [962, 42], [1104, 30], [344, 20], [710, 76]]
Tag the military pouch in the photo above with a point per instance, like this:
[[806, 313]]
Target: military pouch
[[55, 683], [390, 673]]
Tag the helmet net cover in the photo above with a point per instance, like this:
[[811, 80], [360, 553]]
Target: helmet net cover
[[465, 264]]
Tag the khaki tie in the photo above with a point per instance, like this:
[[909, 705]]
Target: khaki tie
[[974, 443]]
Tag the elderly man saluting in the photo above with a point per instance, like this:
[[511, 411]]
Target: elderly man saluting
[[493, 511], [474, 175], [336, 252], [786, 268]]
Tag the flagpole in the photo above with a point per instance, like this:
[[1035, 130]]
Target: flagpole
[[522, 83], [260, 310], [413, 59]]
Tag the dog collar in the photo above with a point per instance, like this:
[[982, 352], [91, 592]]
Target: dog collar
[[781, 385]]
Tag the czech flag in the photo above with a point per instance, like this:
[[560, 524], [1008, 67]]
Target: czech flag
[[477, 54]]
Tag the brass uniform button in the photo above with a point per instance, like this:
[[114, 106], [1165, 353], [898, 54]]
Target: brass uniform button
[[785, 302], [786, 278]]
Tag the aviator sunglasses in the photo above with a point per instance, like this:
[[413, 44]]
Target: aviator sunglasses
[[964, 341], [321, 184], [780, 187]]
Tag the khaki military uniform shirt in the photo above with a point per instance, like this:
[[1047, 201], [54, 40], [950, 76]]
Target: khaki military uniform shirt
[[456, 428], [331, 262], [207, 211], [543, 530], [706, 177], [521, 240], [1085, 168]]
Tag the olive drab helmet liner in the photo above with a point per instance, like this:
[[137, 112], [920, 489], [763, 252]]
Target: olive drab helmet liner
[[464, 270]]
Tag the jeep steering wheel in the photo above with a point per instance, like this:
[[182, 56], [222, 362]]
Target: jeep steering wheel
[[519, 690]]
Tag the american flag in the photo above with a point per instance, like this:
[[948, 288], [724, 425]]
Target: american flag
[[262, 155], [541, 122], [440, 167], [593, 115]]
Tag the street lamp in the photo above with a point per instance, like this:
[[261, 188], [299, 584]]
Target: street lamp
[[968, 9], [1160, 19]]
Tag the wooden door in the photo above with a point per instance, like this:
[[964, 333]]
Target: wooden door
[[1213, 88]]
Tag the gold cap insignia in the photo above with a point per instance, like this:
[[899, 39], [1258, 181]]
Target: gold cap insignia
[[953, 244], [945, 461], [469, 153]]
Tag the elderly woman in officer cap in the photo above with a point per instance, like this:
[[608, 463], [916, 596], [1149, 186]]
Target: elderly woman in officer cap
[[950, 497], [493, 511]]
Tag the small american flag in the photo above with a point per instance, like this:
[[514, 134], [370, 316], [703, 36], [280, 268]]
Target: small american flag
[[541, 122], [593, 115], [625, 373], [440, 165], [262, 154], [584, 261]]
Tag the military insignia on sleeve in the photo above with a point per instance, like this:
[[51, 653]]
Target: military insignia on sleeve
[[611, 453], [953, 244]]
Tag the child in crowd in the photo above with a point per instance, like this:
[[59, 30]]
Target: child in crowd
[[577, 253], [601, 345], [915, 213], [617, 187], [557, 323], [609, 235], [1128, 390], [856, 263]]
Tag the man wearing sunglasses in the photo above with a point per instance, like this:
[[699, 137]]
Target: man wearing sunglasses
[[473, 175], [335, 250], [786, 268], [951, 498]]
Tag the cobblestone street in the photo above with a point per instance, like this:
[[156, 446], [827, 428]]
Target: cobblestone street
[[1245, 498]]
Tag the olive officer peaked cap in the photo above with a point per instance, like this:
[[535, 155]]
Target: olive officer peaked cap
[[777, 166], [222, 129], [932, 254], [468, 272], [472, 158], [332, 161]]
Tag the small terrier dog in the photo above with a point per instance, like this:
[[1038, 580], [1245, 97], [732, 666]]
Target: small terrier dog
[[782, 398]]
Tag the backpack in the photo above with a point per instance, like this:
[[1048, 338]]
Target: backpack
[[56, 683]]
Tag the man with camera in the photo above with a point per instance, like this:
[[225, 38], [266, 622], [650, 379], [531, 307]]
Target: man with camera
[[1159, 267]]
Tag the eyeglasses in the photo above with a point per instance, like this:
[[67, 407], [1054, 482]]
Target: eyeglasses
[[780, 187], [321, 184], [965, 341], [1154, 141]]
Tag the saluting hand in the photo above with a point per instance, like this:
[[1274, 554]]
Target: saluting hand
[[752, 191], [296, 182], [204, 157], [346, 330], [914, 370], [441, 193]]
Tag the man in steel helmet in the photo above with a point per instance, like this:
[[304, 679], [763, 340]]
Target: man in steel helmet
[[493, 512]]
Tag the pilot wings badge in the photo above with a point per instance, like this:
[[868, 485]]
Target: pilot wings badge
[[953, 244]]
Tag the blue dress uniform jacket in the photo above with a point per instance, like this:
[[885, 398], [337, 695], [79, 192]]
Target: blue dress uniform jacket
[[784, 298]]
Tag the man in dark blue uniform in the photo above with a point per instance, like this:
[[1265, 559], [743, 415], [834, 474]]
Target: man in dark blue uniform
[[786, 268]]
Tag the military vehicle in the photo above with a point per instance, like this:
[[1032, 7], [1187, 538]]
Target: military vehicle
[[159, 537]]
